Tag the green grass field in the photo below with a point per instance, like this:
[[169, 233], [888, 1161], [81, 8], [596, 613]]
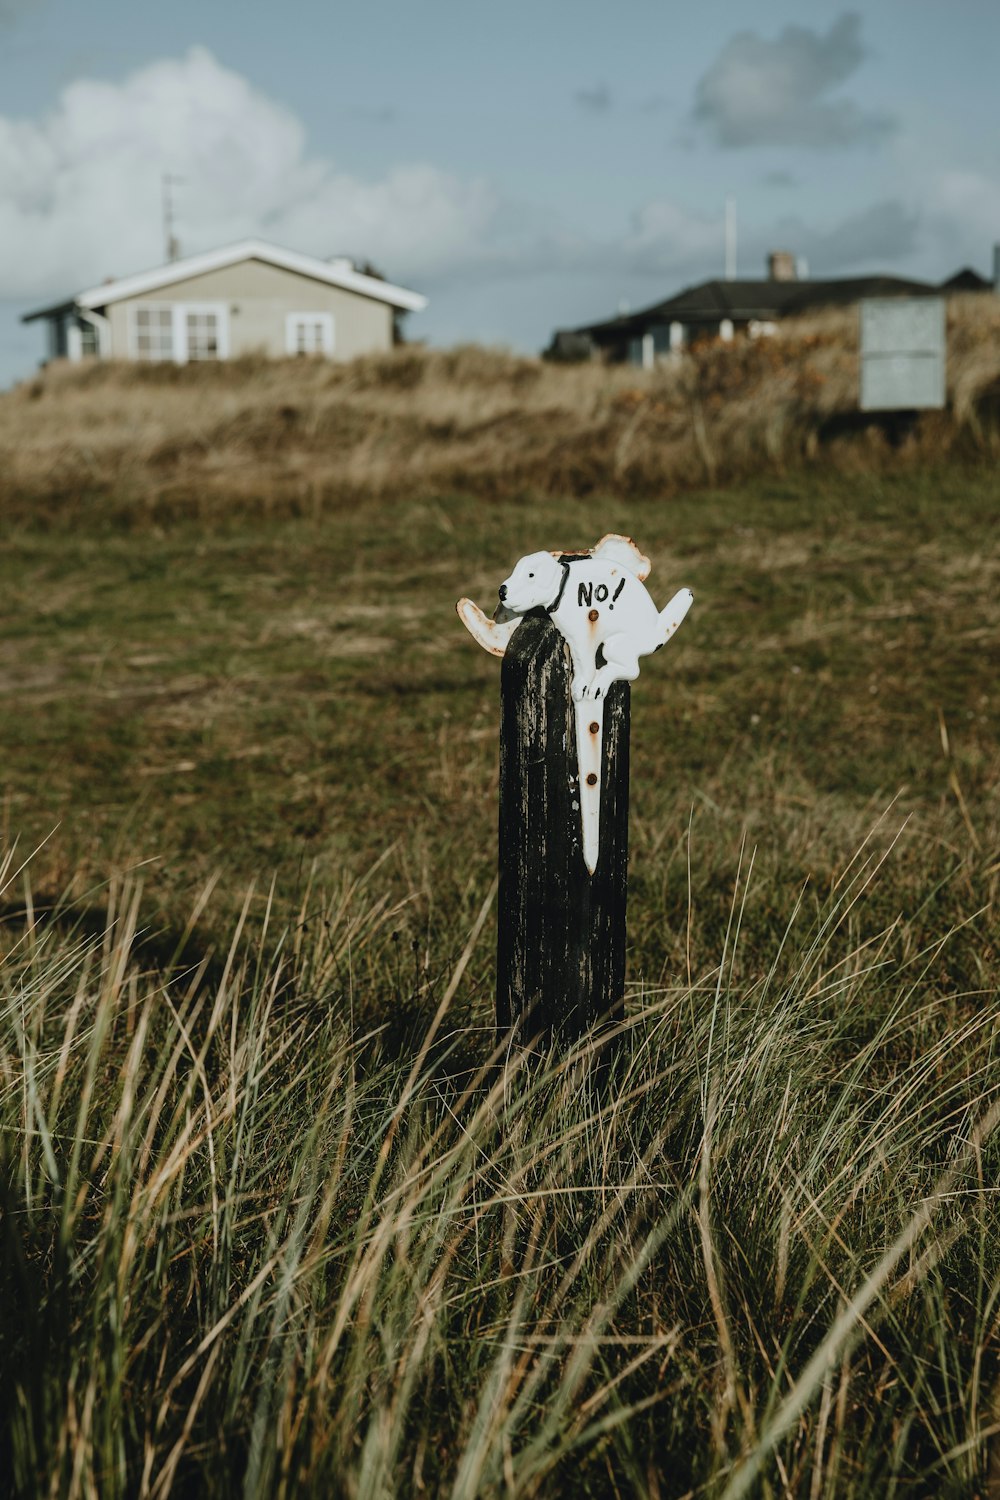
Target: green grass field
[[271, 1225]]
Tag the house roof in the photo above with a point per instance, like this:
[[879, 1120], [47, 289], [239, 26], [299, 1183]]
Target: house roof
[[967, 280], [710, 301], [333, 274]]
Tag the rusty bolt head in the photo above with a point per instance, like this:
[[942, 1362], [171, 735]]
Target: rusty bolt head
[[594, 614], [592, 779]]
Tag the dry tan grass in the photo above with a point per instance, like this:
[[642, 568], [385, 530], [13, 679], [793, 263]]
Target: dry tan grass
[[303, 436]]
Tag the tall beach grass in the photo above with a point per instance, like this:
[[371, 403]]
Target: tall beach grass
[[251, 1247], [149, 444]]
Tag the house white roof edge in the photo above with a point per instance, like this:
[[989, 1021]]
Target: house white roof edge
[[215, 260]]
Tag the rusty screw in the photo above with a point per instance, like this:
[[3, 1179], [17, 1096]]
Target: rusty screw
[[592, 779], [594, 614], [594, 727]]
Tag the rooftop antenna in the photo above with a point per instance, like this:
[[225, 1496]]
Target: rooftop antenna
[[730, 237], [170, 181]]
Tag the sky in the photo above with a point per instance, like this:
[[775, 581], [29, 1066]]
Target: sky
[[527, 166]]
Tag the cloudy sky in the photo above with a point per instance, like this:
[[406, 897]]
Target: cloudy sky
[[527, 165]]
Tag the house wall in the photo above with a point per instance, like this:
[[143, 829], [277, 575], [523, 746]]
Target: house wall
[[259, 297]]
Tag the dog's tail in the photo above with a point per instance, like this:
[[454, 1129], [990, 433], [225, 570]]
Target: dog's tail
[[670, 617]]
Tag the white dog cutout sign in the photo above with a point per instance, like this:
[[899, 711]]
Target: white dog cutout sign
[[599, 603]]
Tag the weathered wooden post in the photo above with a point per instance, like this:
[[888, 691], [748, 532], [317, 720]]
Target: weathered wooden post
[[570, 628], [561, 928]]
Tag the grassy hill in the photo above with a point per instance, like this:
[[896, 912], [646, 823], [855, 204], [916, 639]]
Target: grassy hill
[[269, 1222], [305, 438]]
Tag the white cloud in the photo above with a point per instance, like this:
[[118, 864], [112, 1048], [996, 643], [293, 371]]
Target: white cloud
[[668, 239], [595, 100], [774, 93], [11, 9], [80, 190], [778, 178], [675, 244], [876, 238], [963, 213]]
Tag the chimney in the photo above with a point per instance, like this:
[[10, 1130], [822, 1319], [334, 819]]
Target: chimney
[[996, 269], [781, 266]]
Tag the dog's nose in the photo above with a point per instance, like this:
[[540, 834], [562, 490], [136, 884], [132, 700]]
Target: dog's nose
[[503, 591]]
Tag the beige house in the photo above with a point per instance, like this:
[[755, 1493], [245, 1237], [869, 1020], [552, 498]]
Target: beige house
[[246, 298]]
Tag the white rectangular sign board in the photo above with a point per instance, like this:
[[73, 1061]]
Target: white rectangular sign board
[[902, 353]]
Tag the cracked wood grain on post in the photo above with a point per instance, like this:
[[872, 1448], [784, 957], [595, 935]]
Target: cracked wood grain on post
[[561, 930]]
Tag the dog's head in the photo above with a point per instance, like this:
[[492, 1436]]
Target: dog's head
[[534, 584]]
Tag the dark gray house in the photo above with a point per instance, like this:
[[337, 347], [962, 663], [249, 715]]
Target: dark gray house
[[719, 309]]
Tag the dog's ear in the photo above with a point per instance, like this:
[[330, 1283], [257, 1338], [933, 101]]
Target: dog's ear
[[622, 550], [536, 558], [547, 561]]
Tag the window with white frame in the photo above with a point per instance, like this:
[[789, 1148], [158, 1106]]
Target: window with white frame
[[179, 331], [309, 333], [153, 332], [202, 331]]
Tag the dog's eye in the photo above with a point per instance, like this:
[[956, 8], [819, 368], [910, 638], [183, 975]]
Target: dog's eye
[[531, 575]]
